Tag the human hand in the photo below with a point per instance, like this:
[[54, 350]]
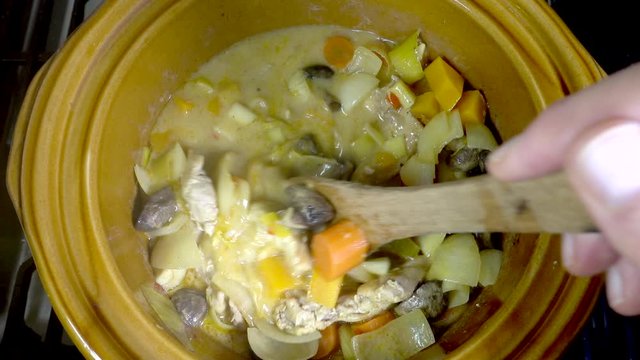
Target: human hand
[[594, 135]]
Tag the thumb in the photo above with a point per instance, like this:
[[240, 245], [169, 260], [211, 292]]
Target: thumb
[[604, 167]]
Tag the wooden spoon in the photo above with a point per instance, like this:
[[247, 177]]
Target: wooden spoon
[[477, 204]]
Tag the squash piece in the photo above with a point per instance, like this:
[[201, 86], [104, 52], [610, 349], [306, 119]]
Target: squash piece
[[275, 275], [472, 107], [322, 291], [445, 81], [425, 107]]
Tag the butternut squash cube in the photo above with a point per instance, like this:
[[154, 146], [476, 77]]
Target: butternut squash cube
[[445, 82], [425, 107], [322, 291], [472, 107], [275, 276]]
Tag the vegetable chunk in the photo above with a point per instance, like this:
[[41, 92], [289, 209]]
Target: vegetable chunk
[[339, 248]]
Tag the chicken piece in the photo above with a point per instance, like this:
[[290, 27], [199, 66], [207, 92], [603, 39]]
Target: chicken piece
[[428, 296], [225, 310], [298, 315], [378, 295], [199, 195]]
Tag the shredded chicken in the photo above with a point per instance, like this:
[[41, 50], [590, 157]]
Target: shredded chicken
[[226, 311], [199, 195], [298, 315]]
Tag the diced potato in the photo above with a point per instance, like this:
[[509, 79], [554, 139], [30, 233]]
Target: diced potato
[[363, 147], [457, 295], [445, 81], [324, 292], [406, 248], [491, 261], [406, 60], [275, 276], [479, 136], [425, 107], [397, 147], [241, 114], [399, 339], [472, 107], [457, 260], [417, 172], [178, 250], [430, 242], [364, 61]]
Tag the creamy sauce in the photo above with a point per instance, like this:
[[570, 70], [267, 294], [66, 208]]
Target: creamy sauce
[[246, 121]]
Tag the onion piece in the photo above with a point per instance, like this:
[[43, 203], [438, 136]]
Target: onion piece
[[166, 312], [274, 333], [267, 348], [178, 250], [238, 294], [173, 226]]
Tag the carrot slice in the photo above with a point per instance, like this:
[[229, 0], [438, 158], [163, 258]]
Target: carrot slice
[[328, 342], [338, 51], [372, 324], [338, 249], [394, 101]]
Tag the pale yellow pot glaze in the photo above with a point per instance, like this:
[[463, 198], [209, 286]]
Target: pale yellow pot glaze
[[91, 107]]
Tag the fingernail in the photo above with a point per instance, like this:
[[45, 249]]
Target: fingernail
[[568, 250], [609, 164], [615, 286], [502, 152]]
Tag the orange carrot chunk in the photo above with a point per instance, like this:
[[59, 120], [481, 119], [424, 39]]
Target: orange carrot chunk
[[338, 249], [338, 51], [328, 342], [372, 324]]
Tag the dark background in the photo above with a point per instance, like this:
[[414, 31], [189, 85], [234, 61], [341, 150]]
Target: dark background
[[608, 29]]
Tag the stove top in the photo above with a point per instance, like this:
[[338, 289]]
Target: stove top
[[32, 30]]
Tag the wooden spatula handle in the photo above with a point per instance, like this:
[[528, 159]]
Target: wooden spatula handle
[[479, 204]]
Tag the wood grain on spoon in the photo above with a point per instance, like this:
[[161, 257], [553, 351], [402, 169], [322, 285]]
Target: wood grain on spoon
[[477, 204]]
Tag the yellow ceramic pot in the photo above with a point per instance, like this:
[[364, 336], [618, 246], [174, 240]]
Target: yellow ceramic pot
[[90, 109]]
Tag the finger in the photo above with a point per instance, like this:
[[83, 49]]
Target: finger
[[587, 254], [623, 287], [604, 169], [541, 148]]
